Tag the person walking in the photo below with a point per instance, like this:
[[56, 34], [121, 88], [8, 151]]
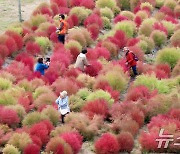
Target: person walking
[[131, 60], [40, 66], [62, 29], [81, 60], [63, 104]]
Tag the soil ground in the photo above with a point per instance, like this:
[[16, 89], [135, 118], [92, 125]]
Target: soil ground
[[10, 14]]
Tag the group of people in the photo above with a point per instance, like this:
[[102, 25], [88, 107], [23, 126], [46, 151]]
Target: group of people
[[81, 63]]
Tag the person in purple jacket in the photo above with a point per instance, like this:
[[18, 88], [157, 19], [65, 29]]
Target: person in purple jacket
[[40, 66]]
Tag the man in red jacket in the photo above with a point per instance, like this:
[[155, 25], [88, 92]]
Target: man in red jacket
[[130, 60]]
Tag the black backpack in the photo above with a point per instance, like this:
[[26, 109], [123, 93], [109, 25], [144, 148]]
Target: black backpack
[[135, 57]]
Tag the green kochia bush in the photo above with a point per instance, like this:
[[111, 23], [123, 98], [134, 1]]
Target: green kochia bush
[[168, 55], [100, 94], [106, 23], [106, 3], [44, 43], [37, 20], [7, 99], [128, 27], [159, 37], [73, 44], [5, 84], [152, 83], [106, 12], [10, 149]]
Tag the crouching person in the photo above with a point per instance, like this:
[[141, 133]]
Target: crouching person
[[63, 104]]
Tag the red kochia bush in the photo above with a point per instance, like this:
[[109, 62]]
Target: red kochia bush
[[42, 130], [126, 141], [107, 144], [17, 38], [133, 41], [138, 21], [33, 48], [26, 59], [119, 39], [4, 51], [11, 45], [31, 149], [120, 18], [93, 19], [51, 29], [8, 116], [94, 30], [92, 54], [73, 72], [160, 27], [36, 140], [94, 68], [99, 107], [60, 3], [174, 114], [54, 8], [164, 67], [74, 139], [171, 19], [140, 92], [103, 52], [167, 10]]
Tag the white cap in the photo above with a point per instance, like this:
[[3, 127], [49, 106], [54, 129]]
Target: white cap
[[63, 93]]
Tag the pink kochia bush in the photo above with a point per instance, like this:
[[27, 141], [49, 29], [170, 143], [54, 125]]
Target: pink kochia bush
[[4, 51], [120, 18], [31, 149], [90, 4], [94, 30], [107, 144], [160, 26], [74, 139], [8, 116], [25, 58], [33, 48], [94, 68], [93, 19], [11, 45], [99, 107], [42, 130]]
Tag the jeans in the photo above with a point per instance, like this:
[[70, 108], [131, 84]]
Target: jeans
[[61, 38], [134, 70]]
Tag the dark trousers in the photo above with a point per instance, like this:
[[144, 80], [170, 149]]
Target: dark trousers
[[61, 38], [63, 116], [134, 70]]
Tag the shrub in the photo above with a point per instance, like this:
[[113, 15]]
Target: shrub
[[102, 53], [87, 80], [142, 14], [94, 68], [128, 14], [83, 93], [4, 51], [33, 48], [31, 149], [170, 4], [99, 107], [52, 114], [159, 3], [175, 39], [152, 83], [45, 99], [100, 94], [168, 55], [158, 37], [44, 43], [5, 84], [74, 139], [126, 141], [70, 85], [17, 38], [62, 3], [111, 47], [107, 12], [73, 44], [140, 92], [106, 3], [120, 18], [123, 4], [106, 23], [41, 90], [160, 27], [176, 11], [80, 12], [127, 26], [94, 30], [8, 76], [107, 143], [176, 69], [33, 118], [9, 116], [11, 45], [93, 19], [19, 110], [169, 26], [42, 130], [20, 140], [10, 149], [37, 20], [58, 145], [167, 10]]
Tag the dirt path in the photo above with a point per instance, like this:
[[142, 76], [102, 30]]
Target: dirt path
[[9, 11]]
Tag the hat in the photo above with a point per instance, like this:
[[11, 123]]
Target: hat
[[63, 93]]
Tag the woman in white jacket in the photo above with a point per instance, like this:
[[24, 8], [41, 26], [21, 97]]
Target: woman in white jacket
[[63, 104], [81, 60]]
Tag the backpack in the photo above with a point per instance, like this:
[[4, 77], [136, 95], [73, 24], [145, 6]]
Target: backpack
[[135, 57]]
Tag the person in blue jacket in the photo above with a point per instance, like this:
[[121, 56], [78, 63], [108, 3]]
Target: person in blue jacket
[[63, 104], [40, 66]]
